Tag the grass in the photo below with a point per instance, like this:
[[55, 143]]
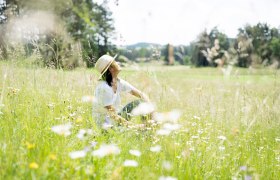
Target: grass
[[229, 125]]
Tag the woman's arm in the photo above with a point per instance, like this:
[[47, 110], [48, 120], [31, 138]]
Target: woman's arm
[[139, 94]]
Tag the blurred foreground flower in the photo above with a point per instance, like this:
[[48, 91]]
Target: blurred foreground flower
[[130, 163], [143, 109], [33, 165], [163, 132], [135, 152], [171, 116], [156, 148], [29, 145], [106, 149], [222, 138], [84, 133], [167, 178], [52, 156], [77, 154], [196, 117], [167, 165], [63, 129], [86, 99], [167, 128]]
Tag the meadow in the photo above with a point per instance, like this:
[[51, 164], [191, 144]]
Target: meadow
[[216, 126]]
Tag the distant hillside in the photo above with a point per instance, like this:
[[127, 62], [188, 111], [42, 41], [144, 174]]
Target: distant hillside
[[143, 45]]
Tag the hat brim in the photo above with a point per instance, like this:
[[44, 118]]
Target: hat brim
[[107, 67]]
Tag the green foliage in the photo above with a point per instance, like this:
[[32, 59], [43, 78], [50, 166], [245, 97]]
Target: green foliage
[[89, 24], [203, 43], [92, 25], [275, 47], [262, 41]]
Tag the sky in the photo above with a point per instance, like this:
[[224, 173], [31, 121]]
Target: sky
[[179, 22]]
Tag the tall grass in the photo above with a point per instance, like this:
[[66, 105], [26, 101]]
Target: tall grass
[[229, 126]]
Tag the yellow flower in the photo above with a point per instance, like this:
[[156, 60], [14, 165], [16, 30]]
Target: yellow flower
[[29, 145], [33, 165], [52, 156], [79, 119]]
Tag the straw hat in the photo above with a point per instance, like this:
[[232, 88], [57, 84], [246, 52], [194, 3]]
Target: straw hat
[[103, 63]]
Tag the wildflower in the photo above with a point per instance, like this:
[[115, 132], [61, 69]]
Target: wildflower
[[194, 124], [29, 145], [135, 152], [51, 105], [143, 109], [235, 131], [171, 116], [2, 105], [194, 137], [52, 156], [72, 115], [167, 178], [93, 144], [13, 91], [130, 163], [222, 148], [247, 177], [222, 138], [84, 133], [196, 117], [163, 132], [79, 119], [167, 165], [33, 165], [277, 139], [86, 99], [191, 149], [171, 127], [243, 168], [63, 129], [278, 158], [106, 149], [77, 154], [156, 148], [107, 125]]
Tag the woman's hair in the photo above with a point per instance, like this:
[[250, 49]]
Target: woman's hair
[[107, 76]]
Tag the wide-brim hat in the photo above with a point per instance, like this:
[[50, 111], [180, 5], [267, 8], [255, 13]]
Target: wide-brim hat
[[103, 63]]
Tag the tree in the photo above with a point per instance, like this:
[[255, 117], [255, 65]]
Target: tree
[[203, 43], [92, 25], [261, 39], [88, 23]]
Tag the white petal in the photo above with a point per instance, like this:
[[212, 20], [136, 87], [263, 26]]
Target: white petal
[[130, 163], [77, 154], [143, 109], [156, 148], [167, 178], [135, 152]]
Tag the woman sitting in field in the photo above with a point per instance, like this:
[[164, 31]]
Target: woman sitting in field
[[107, 108]]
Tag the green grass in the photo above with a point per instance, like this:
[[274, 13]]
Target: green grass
[[243, 107]]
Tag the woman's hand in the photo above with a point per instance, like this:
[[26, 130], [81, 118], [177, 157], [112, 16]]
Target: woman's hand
[[113, 115]]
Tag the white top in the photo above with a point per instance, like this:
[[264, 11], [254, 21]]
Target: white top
[[104, 96]]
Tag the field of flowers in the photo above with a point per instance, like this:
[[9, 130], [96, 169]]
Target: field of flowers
[[210, 125]]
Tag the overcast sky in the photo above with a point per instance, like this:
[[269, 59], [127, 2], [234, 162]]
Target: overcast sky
[[180, 21]]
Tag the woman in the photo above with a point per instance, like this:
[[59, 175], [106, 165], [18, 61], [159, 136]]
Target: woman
[[107, 108]]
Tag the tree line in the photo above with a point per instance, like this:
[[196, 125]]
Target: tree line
[[72, 33]]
